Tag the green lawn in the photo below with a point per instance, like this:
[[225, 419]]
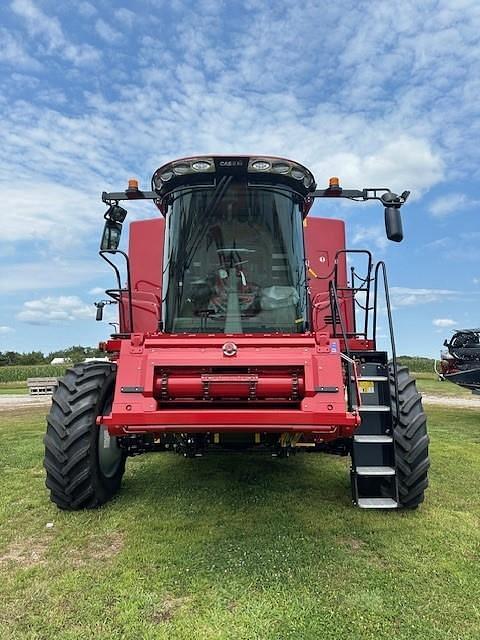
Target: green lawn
[[240, 547], [8, 388], [429, 383]]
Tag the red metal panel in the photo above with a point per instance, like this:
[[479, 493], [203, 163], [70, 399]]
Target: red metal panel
[[322, 407], [324, 238], [146, 254], [146, 266]]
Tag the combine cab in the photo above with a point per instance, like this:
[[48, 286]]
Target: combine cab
[[461, 362], [244, 325]]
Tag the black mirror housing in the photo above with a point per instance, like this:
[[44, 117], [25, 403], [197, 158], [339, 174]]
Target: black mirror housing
[[111, 236], [393, 224]]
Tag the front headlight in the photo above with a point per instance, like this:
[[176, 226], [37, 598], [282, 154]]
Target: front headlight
[[201, 165], [261, 165], [181, 169], [280, 167]]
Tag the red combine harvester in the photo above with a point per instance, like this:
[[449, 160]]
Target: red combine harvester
[[244, 325]]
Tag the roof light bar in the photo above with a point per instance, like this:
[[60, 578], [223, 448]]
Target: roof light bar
[[252, 165]]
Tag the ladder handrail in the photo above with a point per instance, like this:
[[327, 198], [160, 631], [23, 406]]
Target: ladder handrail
[[365, 281], [380, 270], [335, 307], [381, 267], [120, 289]]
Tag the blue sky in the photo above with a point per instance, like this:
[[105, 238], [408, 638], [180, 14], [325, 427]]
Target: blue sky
[[379, 93]]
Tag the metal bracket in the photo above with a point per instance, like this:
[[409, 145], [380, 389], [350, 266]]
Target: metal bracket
[[129, 194], [383, 194]]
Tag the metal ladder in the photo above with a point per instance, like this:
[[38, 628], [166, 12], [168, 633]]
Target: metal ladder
[[373, 474]]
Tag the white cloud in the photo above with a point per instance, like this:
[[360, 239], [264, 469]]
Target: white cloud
[[105, 31], [125, 16], [51, 211], [448, 204], [52, 273], [96, 291], [13, 52], [5, 329], [86, 9], [49, 30], [444, 322], [406, 296], [55, 310], [366, 237]]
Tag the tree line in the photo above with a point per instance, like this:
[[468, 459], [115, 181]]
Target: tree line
[[74, 354]]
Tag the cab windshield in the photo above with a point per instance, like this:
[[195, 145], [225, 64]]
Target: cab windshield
[[234, 260]]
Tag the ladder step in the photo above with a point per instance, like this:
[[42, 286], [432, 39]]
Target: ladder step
[[375, 471], [373, 408], [373, 378], [377, 503], [372, 439]]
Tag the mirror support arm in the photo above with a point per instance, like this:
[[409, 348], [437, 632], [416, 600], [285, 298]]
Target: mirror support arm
[[391, 201], [384, 195], [129, 194]]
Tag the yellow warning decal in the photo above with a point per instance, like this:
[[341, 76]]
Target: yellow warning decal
[[366, 386]]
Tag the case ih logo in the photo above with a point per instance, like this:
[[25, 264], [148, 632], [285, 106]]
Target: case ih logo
[[230, 163]]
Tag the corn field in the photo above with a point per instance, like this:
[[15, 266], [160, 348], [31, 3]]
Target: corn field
[[19, 373], [417, 364]]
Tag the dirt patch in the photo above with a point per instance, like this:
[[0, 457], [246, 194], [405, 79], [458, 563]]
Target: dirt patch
[[354, 544], [28, 553], [166, 611], [99, 549]]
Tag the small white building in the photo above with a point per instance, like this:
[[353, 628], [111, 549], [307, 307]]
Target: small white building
[[61, 361]]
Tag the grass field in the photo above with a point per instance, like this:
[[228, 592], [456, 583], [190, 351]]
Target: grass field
[[429, 383], [19, 373], [240, 547], [8, 388]]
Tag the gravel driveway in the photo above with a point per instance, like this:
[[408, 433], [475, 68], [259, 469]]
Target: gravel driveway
[[9, 402]]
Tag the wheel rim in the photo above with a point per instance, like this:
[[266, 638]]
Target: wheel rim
[[109, 453]]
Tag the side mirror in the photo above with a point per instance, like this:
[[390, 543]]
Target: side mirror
[[393, 224], [111, 236], [99, 314]]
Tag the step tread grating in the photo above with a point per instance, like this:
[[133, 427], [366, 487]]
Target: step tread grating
[[374, 408], [372, 439], [375, 471], [377, 503]]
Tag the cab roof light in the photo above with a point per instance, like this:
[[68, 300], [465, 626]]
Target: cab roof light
[[255, 165], [334, 183]]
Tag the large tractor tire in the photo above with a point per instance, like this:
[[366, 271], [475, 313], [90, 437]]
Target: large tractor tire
[[84, 464], [410, 438]]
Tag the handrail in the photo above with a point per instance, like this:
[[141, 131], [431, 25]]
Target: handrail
[[335, 307], [120, 289], [364, 281], [380, 267]]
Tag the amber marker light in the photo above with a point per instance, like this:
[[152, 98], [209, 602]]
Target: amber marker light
[[133, 184], [334, 183]]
